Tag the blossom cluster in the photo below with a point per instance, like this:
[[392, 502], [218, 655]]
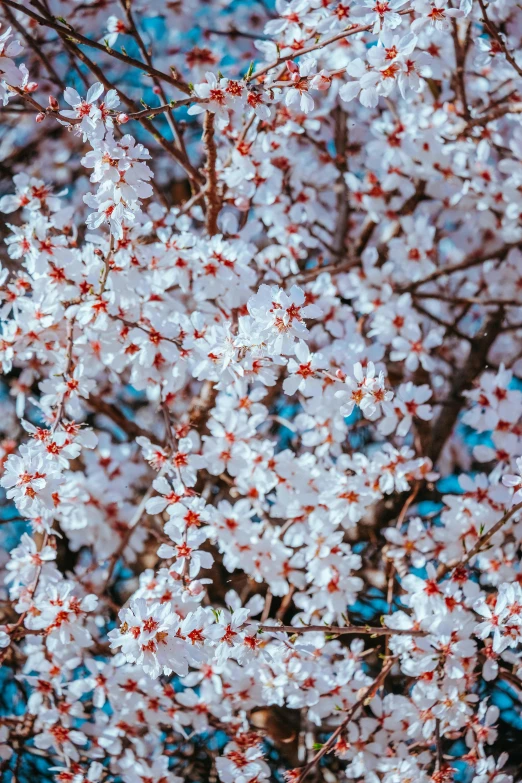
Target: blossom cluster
[[261, 396]]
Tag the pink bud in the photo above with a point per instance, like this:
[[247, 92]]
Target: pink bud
[[31, 87], [156, 90], [321, 81], [53, 103], [122, 118], [40, 117]]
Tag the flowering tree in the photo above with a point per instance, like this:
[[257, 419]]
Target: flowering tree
[[261, 309]]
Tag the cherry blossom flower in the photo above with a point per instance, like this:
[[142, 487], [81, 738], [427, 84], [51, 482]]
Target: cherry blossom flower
[[298, 94], [384, 14], [218, 99]]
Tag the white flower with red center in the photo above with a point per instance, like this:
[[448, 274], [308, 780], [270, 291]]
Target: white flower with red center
[[367, 390], [502, 617], [157, 457], [28, 479], [409, 403], [148, 636], [414, 348], [32, 194], [184, 463], [192, 512], [84, 109], [256, 101], [69, 388], [225, 633], [185, 552], [63, 738], [115, 27], [372, 82], [241, 763], [27, 562], [279, 317], [414, 544], [140, 770], [214, 97], [59, 613], [298, 94], [304, 377], [170, 496], [435, 13], [383, 13]]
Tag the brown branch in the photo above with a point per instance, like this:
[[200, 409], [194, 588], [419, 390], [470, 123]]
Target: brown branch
[[344, 630], [451, 328], [177, 136], [36, 47], [462, 381], [68, 367], [495, 114], [366, 234], [368, 693], [479, 546], [75, 37], [129, 427], [212, 196], [165, 107], [133, 523], [474, 260], [460, 62], [106, 267], [471, 300], [169, 147], [343, 199], [492, 30], [353, 30], [42, 109]]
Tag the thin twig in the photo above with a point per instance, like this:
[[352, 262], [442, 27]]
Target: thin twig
[[479, 546]]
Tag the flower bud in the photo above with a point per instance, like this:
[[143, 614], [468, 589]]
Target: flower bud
[[31, 86], [40, 117], [53, 103], [122, 118]]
